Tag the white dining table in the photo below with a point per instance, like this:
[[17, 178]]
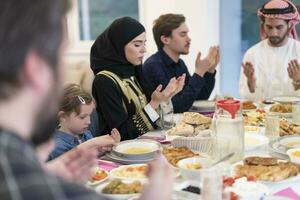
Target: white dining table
[[261, 151]]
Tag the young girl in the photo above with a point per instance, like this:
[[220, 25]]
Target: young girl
[[74, 119]]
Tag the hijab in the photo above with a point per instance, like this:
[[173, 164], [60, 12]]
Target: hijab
[[107, 52]]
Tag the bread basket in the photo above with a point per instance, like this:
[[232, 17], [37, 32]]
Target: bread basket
[[203, 142]]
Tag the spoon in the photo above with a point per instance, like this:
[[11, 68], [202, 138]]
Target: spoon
[[223, 159]]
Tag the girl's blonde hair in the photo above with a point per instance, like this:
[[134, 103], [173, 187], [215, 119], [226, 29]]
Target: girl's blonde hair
[[73, 97]]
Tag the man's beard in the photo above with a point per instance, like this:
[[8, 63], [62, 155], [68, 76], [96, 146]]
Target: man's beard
[[277, 41], [46, 120], [44, 128]]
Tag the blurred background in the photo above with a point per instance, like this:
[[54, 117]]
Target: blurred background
[[231, 23]]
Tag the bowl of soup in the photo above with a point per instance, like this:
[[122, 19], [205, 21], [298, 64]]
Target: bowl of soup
[[137, 149], [190, 168], [294, 155]]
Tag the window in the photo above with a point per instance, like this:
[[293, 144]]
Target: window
[[89, 18], [96, 15]]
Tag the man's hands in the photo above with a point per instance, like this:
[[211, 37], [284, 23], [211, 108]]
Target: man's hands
[[75, 165], [294, 70], [250, 75], [174, 86], [161, 177], [209, 63]]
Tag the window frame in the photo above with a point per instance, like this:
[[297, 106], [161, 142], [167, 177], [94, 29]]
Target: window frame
[[76, 45]]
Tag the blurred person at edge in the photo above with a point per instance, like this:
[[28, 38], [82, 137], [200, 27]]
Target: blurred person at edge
[[271, 68], [31, 73]]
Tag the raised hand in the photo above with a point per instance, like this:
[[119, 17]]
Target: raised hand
[[248, 70], [174, 86], [160, 184], [115, 135], [209, 63], [294, 70]]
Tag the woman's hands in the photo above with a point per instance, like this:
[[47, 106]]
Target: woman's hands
[[174, 86]]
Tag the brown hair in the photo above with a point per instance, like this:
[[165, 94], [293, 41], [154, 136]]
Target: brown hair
[[39, 29], [72, 99], [164, 25]]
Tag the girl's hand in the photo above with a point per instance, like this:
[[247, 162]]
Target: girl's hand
[[115, 135]]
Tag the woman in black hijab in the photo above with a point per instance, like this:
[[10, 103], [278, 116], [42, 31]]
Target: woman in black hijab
[[119, 89]]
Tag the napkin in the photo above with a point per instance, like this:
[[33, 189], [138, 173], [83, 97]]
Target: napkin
[[288, 192]]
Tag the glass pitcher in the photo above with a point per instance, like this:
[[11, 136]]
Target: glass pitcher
[[229, 129]]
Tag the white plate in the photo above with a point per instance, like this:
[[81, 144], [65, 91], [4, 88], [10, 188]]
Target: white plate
[[290, 142], [114, 196], [112, 173], [204, 106], [288, 180], [178, 195], [286, 99], [126, 161], [254, 141]]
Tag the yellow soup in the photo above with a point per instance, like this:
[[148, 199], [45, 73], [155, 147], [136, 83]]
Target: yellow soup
[[137, 150], [296, 153], [193, 166], [292, 144], [251, 142]]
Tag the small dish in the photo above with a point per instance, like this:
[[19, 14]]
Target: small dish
[[98, 177], [190, 168], [254, 141], [294, 155]]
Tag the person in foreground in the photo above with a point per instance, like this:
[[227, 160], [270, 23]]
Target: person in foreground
[[172, 40], [30, 88], [74, 114], [119, 88], [271, 67]]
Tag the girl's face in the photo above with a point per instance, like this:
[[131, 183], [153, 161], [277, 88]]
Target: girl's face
[[135, 49], [77, 124]]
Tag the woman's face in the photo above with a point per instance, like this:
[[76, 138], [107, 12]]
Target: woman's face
[[135, 49]]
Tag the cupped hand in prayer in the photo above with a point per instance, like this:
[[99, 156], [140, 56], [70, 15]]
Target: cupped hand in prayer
[[209, 63], [74, 166], [294, 70], [250, 75], [174, 86]]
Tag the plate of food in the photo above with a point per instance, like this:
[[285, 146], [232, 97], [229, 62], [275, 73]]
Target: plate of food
[[282, 110], [267, 170], [98, 177], [119, 189], [130, 172], [174, 154], [286, 127], [286, 99], [254, 118], [249, 105], [244, 188], [192, 124], [254, 141]]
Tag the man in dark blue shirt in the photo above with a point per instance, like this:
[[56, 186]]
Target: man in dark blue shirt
[[171, 37]]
